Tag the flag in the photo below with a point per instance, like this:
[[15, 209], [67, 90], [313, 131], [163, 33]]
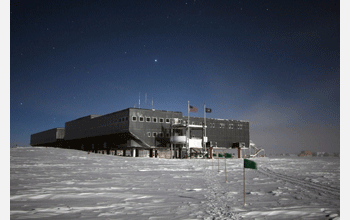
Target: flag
[[250, 164], [193, 109], [208, 110]]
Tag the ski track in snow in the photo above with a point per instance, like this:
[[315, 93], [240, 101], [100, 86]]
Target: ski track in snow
[[68, 184], [321, 189]]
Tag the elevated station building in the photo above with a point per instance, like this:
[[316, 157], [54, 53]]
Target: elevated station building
[[146, 132]]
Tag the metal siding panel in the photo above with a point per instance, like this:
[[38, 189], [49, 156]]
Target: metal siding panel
[[97, 126], [44, 137]]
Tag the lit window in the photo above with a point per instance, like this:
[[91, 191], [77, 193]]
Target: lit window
[[148, 119], [154, 134], [134, 118], [161, 120], [167, 120], [154, 120], [141, 119]]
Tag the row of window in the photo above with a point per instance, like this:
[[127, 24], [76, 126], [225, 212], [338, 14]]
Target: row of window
[[160, 134], [230, 126], [123, 119], [167, 120], [148, 119]]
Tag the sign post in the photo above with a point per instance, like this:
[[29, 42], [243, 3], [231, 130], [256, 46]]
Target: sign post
[[251, 165], [218, 163]]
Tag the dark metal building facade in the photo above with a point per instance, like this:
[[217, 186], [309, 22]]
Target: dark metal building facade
[[141, 129]]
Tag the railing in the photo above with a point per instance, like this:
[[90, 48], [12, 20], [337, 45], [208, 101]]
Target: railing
[[178, 139]]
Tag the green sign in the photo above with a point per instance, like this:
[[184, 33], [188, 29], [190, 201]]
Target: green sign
[[250, 164], [228, 155]]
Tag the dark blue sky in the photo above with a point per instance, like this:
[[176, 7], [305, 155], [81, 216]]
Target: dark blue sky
[[275, 64]]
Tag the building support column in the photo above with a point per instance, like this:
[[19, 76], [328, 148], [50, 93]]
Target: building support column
[[239, 152], [171, 151]]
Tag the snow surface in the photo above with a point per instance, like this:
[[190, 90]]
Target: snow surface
[[70, 184]]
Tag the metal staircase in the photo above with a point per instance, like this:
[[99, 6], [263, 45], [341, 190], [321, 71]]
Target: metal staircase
[[254, 151]]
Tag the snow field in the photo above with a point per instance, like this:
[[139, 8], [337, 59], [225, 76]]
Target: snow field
[[69, 184]]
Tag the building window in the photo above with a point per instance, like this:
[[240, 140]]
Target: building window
[[200, 123], [134, 118], [222, 125], [120, 120], [161, 134], [167, 135], [240, 126], [213, 125], [230, 126], [193, 122], [148, 119], [161, 120], [123, 118], [154, 134], [154, 120], [126, 118], [141, 119], [149, 134], [167, 120]]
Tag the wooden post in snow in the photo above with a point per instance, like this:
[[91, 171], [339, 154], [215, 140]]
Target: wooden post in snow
[[243, 183], [218, 163], [225, 166]]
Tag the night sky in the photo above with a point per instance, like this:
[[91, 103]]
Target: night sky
[[275, 64]]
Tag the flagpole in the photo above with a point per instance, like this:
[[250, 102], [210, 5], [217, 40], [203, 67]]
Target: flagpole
[[188, 115], [205, 132], [188, 131], [205, 121]]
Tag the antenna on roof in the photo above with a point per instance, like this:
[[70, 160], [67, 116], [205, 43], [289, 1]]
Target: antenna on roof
[[145, 100], [139, 99], [152, 102]]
